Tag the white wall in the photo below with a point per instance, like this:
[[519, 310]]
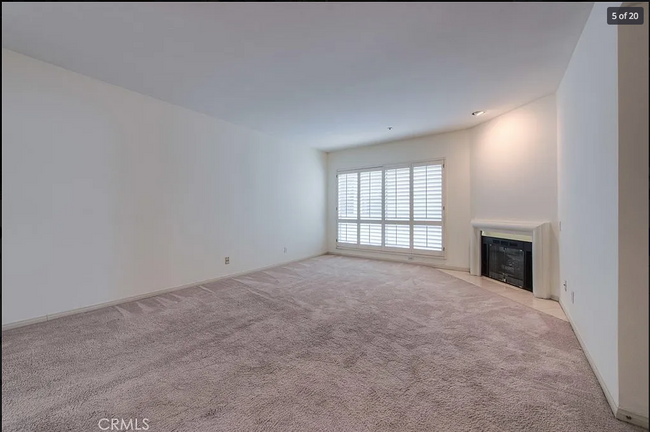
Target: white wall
[[514, 170], [633, 216], [454, 147], [587, 128], [108, 194]]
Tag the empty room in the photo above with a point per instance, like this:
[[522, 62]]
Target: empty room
[[325, 216]]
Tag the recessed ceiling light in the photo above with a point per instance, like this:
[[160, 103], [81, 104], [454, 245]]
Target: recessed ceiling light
[[478, 113]]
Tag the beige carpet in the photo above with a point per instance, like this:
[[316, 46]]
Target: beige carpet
[[326, 344]]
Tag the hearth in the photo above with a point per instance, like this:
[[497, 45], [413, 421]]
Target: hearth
[[508, 261]]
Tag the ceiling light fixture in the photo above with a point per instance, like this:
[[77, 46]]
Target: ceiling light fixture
[[478, 113], [390, 128]]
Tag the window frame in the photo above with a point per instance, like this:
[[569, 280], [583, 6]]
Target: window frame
[[411, 222]]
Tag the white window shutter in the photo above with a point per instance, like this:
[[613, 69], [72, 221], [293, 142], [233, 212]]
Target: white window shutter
[[370, 195], [427, 193], [398, 236], [370, 234], [348, 184], [347, 233], [370, 207], [396, 209], [397, 194], [427, 237], [427, 207]]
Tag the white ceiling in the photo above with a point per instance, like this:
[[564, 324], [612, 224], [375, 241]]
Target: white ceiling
[[326, 75]]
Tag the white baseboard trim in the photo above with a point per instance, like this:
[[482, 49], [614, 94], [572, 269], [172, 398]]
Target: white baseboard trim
[[396, 258], [633, 418], [24, 323], [619, 413], [50, 317], [610, 400]]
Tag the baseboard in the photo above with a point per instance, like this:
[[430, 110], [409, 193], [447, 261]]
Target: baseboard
[[610, 400], [632, 418], [50, 317], [619, 413], [24, 323], [400, 259]]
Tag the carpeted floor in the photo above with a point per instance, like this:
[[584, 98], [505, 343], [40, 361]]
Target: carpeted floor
[[326, 344]]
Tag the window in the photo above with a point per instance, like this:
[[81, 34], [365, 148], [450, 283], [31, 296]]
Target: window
[[393, 208]]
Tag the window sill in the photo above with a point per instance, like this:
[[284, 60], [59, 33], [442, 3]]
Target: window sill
[[434, 255]]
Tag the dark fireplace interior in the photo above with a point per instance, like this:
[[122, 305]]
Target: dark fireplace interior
[[509, 261]]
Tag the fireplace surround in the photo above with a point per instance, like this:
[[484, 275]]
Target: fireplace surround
[[541, 259]]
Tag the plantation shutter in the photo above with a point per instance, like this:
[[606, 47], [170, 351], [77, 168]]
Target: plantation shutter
[[397, 199], [427, 207], [348, 184], [348, 207], [397, 209], [370, 196], [347, 233]]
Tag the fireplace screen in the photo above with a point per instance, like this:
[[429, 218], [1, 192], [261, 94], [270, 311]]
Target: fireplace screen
[[508, 261]]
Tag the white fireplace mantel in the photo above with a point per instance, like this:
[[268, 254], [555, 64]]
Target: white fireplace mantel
[[540, 232]]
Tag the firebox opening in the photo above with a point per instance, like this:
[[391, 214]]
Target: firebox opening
[[508, 260]]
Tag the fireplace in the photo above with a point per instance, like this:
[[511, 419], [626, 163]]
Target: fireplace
[[540, 232], [507, 260]]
